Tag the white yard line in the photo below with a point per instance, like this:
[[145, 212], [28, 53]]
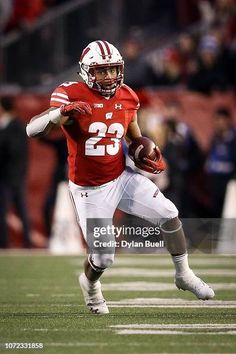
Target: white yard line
[[200, 305], [177, 326], [116, 304], [138, 286], [170, 332], [38, 305], [170, 303], [62, 329], [176, 329], [141, 272], [156, 286]]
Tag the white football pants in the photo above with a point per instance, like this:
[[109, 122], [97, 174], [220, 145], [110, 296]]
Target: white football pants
[[132, 193]]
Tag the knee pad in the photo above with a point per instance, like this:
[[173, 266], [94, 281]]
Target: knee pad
[[166, 209], [101, 261]]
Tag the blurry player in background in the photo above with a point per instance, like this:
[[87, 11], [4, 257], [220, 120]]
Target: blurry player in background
[[13, 171], [95, 115], [221, 159]]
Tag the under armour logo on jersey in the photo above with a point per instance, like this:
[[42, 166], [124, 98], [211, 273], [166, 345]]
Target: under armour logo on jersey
[[118, 106], [98, 105], [108, 115], [84, 195]]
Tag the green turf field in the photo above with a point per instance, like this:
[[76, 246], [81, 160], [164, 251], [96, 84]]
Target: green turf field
[[41, 303]]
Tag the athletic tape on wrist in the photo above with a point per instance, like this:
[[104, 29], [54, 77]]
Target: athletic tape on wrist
[[55, 116]]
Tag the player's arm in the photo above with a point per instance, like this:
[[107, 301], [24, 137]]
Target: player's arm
[[41, 124], [133, 130]]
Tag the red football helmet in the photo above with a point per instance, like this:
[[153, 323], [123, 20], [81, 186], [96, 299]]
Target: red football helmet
[[101, 54]]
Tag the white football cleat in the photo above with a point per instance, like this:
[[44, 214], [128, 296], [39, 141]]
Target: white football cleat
[[192, 283], [93, 295]]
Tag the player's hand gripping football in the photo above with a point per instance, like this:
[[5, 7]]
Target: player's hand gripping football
[[146, 155], [152, 166], [76, 106]]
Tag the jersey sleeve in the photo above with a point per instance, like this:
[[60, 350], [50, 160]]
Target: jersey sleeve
[[59, 97], [136, 101], [133, 98]]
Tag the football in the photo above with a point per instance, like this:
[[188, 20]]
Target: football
[[142, 147]]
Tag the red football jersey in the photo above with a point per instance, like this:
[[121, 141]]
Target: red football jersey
[[95, 141]]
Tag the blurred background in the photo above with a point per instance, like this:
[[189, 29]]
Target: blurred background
[[180, 58]]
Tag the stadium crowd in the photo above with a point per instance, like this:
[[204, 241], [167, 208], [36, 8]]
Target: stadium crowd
[[21, 14], [201, 59]]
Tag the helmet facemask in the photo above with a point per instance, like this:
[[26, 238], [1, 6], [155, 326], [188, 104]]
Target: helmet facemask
[[92, 59]]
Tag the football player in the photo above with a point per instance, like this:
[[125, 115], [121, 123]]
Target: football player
[[95, 115]]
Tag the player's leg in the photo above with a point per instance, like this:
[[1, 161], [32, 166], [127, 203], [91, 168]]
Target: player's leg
[[142, 198], [94, 209], [185, 279], [91, 288]]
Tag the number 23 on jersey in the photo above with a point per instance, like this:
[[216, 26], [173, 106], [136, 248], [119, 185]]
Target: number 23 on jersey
[[92, 146]]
